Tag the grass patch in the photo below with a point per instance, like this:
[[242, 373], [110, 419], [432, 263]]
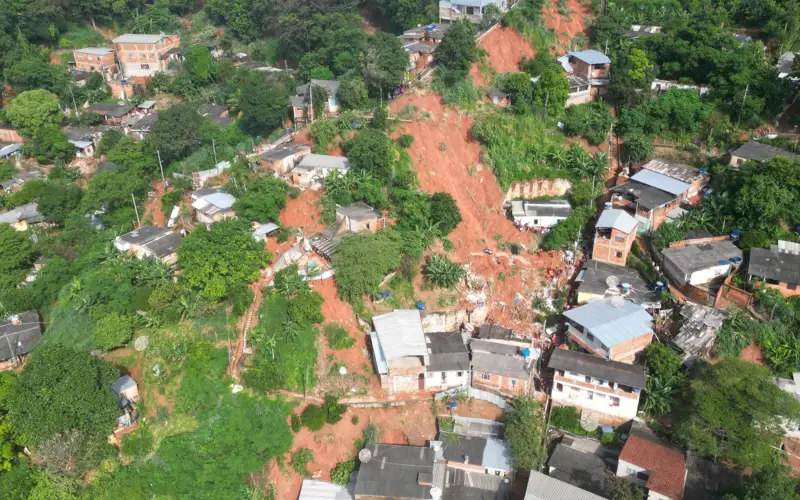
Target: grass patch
[[338, 337]]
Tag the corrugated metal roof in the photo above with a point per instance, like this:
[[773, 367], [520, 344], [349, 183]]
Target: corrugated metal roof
[[661, 181], [680, 171], [590, 57], [497, 455], [617, 219], [321, 490], [380, 359], [541, 487], [95, 51], [782, 267], [323, 161], [400, 334], [612, 325], [10, 149], [220, 200]]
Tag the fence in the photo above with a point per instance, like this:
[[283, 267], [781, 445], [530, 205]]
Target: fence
[[489, 397]]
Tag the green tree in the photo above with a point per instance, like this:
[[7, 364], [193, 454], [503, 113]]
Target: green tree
[[371, 151], [733, 410], [444, 212], [10, 442], [263, 201], [217, 260], [665, 381], [619, 488], [58, 199], [199, 64], [551, 89], [49, 145], [63, 390], [523, 432], [263, 109], [32, 110], [353, 93], [457, 50], [112, 331], [176, 133], [519, 89], [361, 261], [384, 63], [17, 254], [772, 482]]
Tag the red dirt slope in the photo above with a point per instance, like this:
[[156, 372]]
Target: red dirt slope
[[506, 48], [567, 28]]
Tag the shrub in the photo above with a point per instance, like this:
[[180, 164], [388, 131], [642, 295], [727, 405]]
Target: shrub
[[314, 417], [447, 245], [338, 338], [296, 423], [371, 434], [112, 331], [333, 410], [441, 271], [300, 460], [405, 140], [137, 443], [341, 473], [592, 120], [567, 419], [354, 420]]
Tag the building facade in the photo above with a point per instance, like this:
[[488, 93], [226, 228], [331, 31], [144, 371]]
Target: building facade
[[614, 235], [142, 56], [97, 60]]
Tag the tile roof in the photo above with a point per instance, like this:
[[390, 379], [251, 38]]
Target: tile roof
[[111, 109], [541, 487], [779, 266], [760, 152], [446, 352], [492, 331], [599, 368], [667, 465], [507, 366], [617, 219], [400, 334], [123, 383], [612, 324], [23, 213]]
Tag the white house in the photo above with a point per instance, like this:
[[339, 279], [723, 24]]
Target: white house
[[539, 213], [701, 264], [212, 205], [591, 383], [150, 241], [313, 168], [448, 361], [399, 350]]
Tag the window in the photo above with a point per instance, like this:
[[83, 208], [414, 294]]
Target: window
[[514, 382], [614, 402], [485, 376], [145, 66], [618, 254], [560, 387], [619, 239], [560, 372], [600, 396], [575, 389], [644, 476], [739, 161], [589, 336], [588, 379], [430, 374], [536, 221], [590, 395], [631, 472], [470, 11], [793, 286], [459, 374], [444, 376]]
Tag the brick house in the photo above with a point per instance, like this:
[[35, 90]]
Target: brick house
[[501, 367], [283, 159], [696, 178], [142, 56], [593, 284], [588, 73], [778, 267], [97, 60], [648, 461], [614, 235], [614, 329], [399, 350], [9, 134], [420, 56], [302, 105], [595, 384], [112, 113]]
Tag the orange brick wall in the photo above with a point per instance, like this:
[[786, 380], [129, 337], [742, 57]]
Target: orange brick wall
[[9, 135], [605, 250], [626, 352], [698, 241], [499, 383], [91, 62]]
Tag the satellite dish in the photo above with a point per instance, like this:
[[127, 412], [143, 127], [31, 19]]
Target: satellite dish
[[617, 301], [141, 343], [364, 456], [612, 282]]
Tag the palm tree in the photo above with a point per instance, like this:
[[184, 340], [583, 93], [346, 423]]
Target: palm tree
[[558, 156], [270, 342]]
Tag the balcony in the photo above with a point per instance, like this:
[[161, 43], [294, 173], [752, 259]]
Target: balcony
[[587, 341]]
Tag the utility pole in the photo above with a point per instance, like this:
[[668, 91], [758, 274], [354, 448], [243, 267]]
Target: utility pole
[[138, 222], [214, 148], [746, 89], [77, 113], [160, 166], [546, 102]]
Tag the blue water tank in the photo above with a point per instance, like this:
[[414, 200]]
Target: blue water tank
[[736, 233], [703, 171], [735, 259], [421, 306], [452, 405], [526, 353], [607, 429], [724, 262], [608, 205]]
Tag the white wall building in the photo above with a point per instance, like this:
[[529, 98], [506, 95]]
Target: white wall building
[[539, 213]]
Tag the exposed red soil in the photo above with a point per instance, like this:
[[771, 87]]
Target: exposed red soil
[[567, 28], [474, 408], [411, 424], [444, 153], [304, 212], [506, 49], [753, 354], [153, 207]]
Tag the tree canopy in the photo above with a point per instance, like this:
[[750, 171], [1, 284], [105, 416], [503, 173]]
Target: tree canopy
[[524, 429], [361, 261], [32, 110]]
